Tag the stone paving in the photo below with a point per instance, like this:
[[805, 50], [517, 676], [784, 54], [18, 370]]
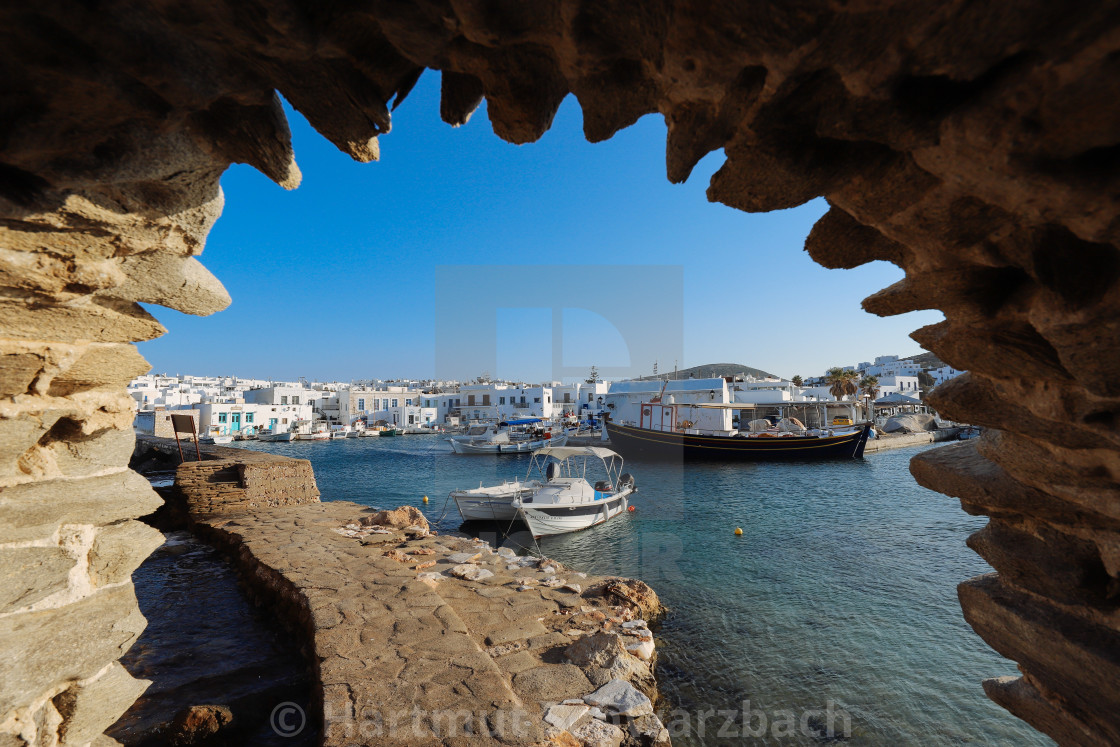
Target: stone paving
[[408, 650]]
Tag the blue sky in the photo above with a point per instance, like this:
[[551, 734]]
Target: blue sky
[[338, 279]]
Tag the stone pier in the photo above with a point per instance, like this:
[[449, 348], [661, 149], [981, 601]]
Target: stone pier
[[973, 144]]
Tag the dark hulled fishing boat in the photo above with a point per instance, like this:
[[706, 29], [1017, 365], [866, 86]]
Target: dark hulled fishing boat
[[634, 441]]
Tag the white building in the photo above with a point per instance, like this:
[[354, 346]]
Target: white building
[[233, 417], [625, 398], [943, 374]]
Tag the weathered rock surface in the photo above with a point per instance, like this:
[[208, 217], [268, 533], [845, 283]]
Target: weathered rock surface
[[398, 518], [196, 724], [618, 697], [913, 422], [971, 144]]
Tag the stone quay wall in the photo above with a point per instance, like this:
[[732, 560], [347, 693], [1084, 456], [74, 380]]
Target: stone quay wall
[[231, 480]]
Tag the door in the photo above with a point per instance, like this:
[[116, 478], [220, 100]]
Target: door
[[235, 424]]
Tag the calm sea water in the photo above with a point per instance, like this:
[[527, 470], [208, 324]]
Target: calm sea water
[[838, 599]]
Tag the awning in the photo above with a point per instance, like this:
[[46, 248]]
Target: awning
[[522, 421]]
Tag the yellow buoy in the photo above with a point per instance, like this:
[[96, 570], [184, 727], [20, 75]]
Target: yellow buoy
[[738, 531], [425, 499]]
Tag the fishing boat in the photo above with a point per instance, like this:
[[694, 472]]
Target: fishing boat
[[267, 435], [664, 431], [215, 436], [385, 432], [340, 433], [370, 433], [316, 432], [568, 502]]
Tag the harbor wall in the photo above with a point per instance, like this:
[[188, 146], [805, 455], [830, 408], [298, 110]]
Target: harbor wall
[[973, 146], [887, 441], [230, 480]]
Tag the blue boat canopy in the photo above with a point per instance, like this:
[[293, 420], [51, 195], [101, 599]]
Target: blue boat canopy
[[522, 421]]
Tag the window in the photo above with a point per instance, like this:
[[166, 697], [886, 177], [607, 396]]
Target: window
[[248, 417], [567, 396], [361, 404], [221, 417], [284, 421], [284, 400], [523, 399], [394, 401], [295, 400], [486, 400], [384, 404], [470, 400], [537, 400], [408, 402], [501, 400]]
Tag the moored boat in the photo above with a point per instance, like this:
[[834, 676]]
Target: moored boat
[[684, 443], [215, 436], [568, 502], [493, 502]]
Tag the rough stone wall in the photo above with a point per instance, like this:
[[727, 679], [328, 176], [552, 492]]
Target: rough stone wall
[[230, 486], [974, 144]]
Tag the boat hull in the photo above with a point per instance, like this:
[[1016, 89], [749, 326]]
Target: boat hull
[[547, 520], [478, 505], [642, 442]]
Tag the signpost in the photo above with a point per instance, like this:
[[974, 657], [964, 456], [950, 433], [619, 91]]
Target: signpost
[[185, 424]]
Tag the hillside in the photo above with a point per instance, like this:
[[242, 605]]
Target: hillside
[[712, 370]]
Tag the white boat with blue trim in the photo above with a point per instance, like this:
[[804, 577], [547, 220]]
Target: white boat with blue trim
[[568, 502]]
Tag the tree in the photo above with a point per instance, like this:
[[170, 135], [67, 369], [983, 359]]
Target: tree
[[798, 381], [593, 377], [869, 385], [841, 382], [925, 381]]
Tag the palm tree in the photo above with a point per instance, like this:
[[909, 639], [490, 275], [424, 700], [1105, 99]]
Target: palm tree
[[869, 385], [797, 381], [841, 382]]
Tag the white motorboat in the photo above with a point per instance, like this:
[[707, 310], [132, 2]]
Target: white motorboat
[[493, 502], [316, 432], [340, 433], [267, 435], [354, 432], [567, 502], [478, 432], [370, 433], [501, 443]]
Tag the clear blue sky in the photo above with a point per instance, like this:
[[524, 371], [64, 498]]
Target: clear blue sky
[[338, 279]]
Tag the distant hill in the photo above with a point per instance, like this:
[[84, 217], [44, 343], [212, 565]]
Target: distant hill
[[711, 371]]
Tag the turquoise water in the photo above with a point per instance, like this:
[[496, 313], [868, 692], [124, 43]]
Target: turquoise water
[[841, 591]]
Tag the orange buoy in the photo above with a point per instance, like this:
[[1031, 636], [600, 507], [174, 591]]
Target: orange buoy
[[738, 531], [631, 508]]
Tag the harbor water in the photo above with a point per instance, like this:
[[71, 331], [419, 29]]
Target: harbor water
[[833, 616]]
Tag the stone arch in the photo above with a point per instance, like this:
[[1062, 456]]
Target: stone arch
[[973, 146]]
